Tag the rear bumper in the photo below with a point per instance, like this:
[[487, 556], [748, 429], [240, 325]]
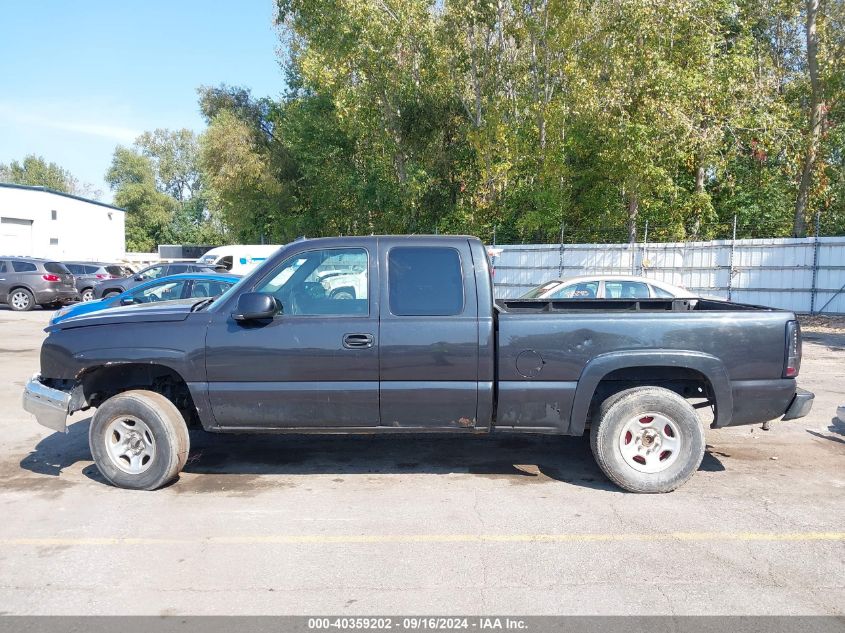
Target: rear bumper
[[57, 295], [49, 406], [756, 401], [801, 404]]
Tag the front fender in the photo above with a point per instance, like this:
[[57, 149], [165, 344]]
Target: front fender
[[600, 366]]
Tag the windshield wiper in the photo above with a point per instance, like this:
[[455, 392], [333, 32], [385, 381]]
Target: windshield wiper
[[199, 305]]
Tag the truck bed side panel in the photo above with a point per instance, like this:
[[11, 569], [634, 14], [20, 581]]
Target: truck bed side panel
[[542, 357]]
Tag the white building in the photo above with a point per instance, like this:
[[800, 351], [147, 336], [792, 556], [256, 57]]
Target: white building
[[41, 222]]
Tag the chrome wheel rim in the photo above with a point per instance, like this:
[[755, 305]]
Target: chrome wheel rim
[[130, 444], [88, 295], [20, 300], [650, 442]]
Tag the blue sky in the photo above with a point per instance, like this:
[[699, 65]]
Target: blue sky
[[79, 78]]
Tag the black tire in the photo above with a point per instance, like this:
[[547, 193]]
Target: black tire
[[343, 293], [110, 294], [21, 300], [165, 430], [621, 413], [87, 295]]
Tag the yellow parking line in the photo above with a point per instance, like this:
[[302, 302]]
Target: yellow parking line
[[293, 539]]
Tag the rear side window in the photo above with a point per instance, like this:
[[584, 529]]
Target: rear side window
[[625, 290], [425, 281], [57, 268], [3, 267], [206, 288], [582, 290], [23, 267]]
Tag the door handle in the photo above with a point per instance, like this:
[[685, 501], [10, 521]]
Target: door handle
[[358, 341]]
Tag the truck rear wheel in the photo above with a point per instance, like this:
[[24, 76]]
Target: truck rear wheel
[[139, 440], [647, 439]]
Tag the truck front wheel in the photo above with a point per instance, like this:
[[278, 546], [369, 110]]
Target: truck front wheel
[[139, 440], [647, 439]]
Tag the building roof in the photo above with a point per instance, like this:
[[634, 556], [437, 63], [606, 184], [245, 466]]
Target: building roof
[[12, 185]]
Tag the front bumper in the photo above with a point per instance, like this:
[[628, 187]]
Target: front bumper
[[49, 406], [801, 404]]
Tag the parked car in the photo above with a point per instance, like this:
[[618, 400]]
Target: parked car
[[88, 274], [344, 284], [238, 258], [28, 281], [427, 350], [608, 287], [172, 288], [112, 287]]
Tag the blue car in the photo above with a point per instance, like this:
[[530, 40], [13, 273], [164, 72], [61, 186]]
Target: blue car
[[172, 288]]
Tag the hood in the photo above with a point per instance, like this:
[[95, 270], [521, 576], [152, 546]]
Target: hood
[[141, 313]]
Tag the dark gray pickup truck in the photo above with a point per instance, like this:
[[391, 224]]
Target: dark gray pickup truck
[[401, 334]]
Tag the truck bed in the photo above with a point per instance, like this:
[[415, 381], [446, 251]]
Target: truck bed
[[547, 349]]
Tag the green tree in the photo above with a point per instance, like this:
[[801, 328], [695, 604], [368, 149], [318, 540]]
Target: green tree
[[159, 182], [149, 212], [34, 170]]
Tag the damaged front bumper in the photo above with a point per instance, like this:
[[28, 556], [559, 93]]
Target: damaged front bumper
[[49, 406]]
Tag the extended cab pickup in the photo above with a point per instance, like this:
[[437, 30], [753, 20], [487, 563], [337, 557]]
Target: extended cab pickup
[[407, 337]]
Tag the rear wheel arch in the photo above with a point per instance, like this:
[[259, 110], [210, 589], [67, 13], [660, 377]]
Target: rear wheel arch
[[21, 286], [654, 364]]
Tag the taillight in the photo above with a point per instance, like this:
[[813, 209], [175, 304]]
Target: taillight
[[793, 350], [49, 277], [102, 276]]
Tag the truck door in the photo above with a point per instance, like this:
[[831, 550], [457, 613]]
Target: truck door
[[428, 334], [315, 364]]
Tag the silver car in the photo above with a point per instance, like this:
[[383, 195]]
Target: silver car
[[607, 287], [27, 281]]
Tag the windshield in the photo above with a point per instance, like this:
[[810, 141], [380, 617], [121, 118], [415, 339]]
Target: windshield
[[119, 271], [539, 291], [56, 268]]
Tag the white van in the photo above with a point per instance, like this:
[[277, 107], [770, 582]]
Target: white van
[[238, 259]]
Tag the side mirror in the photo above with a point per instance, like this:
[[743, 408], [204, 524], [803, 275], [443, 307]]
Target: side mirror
[[254, 306], [139, 278]]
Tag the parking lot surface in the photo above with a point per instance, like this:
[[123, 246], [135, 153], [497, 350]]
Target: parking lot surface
[[422, 525]]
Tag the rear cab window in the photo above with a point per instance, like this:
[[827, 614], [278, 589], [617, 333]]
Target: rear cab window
[[425, 281]]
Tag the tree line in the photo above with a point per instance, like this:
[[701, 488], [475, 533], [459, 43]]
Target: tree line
[[519, 118]]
